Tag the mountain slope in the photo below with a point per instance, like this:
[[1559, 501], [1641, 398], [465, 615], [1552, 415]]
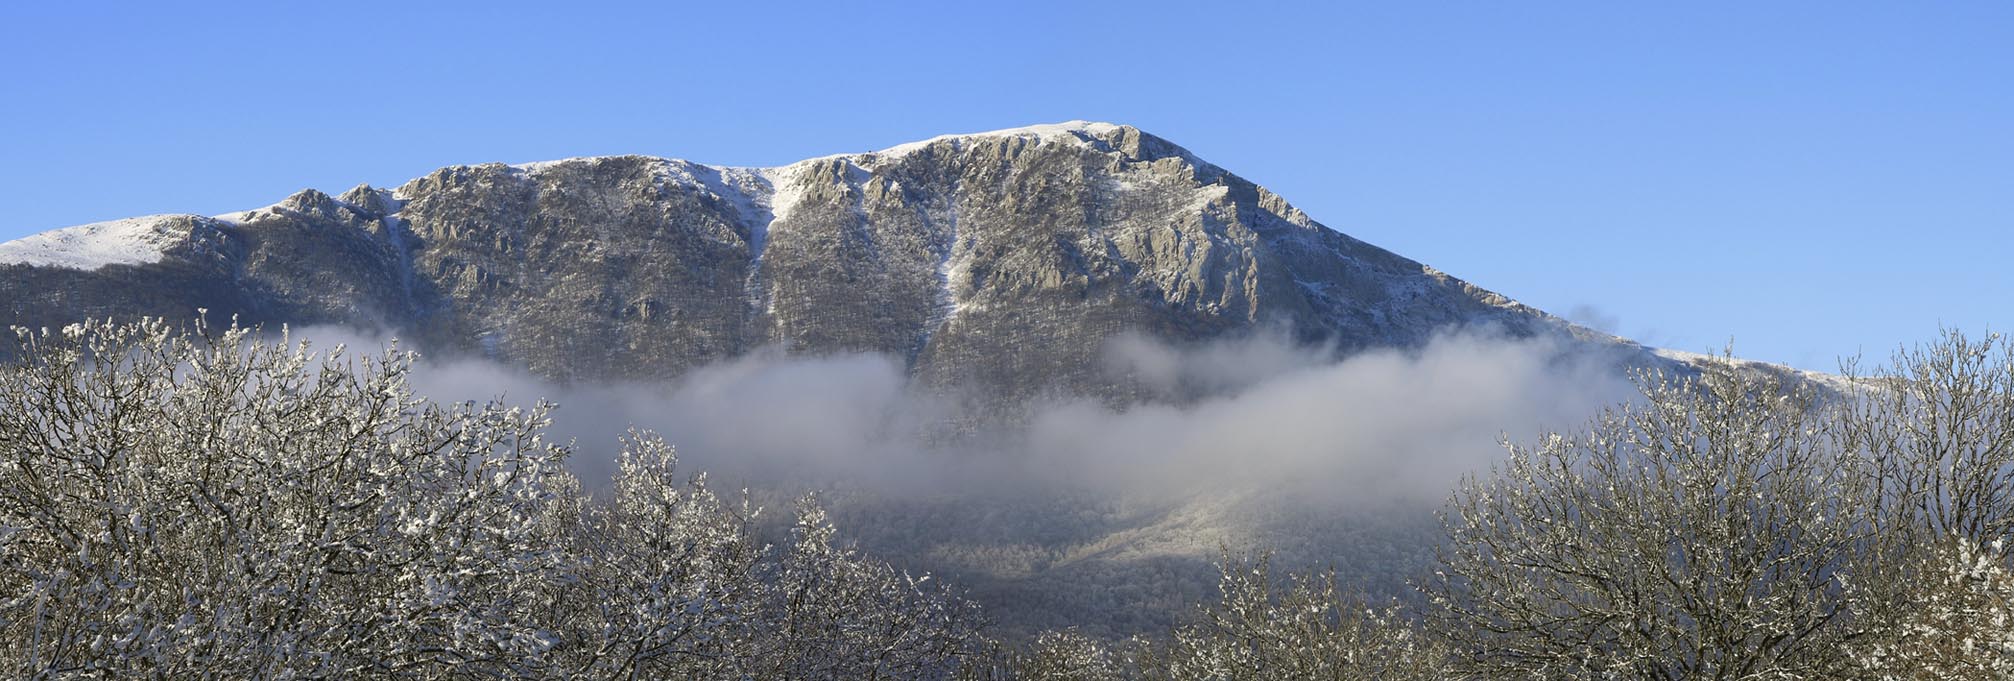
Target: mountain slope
[[1001, 260]]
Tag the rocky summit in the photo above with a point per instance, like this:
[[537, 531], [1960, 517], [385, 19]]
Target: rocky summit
[[1000, 260]]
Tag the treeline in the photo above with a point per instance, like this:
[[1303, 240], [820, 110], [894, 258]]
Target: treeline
[[214, 504]]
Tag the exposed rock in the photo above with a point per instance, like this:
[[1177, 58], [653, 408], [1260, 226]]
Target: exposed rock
[[999, 260]]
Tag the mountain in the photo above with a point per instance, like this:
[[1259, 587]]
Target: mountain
[[1002, 260], [1001, 263]]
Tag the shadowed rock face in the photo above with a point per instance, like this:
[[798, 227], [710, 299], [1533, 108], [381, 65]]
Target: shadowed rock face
[[1000, 261]]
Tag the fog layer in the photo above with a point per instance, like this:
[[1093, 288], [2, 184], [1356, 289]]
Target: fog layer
[[1250, 412]]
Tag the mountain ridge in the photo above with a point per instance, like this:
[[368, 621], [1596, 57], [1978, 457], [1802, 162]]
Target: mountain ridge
[[1000, 264], [1057, 235]]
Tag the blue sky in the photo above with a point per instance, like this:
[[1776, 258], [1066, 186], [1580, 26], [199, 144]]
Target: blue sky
[[1809, 179]]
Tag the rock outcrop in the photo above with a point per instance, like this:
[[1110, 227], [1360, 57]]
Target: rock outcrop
[[1000, 260]]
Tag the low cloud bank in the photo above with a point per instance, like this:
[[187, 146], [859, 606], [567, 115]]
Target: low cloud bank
[[1384, 423], [1255, 411], [756, 418]]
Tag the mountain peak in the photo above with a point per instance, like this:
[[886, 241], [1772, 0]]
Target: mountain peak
[[369, 199], [311, 201]]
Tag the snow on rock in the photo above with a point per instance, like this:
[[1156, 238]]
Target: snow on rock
[[762, 191], [537, 167], [745, 190], [785, 190], [1831, 381], [131, 241], [748, 189], [1068, 131], [1049, 131], [240, 217]]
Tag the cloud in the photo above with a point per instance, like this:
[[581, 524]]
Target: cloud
[[1252, 412], [1387, 424], [1206, 369], [1594, 318]]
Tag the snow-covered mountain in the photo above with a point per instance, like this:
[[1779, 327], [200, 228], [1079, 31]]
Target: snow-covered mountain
[[1001, 263], [1000, 259]]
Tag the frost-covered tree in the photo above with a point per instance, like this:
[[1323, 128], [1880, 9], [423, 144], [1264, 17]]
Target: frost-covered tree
[[1070, 655], [183, 506], [1935, 429], [222, 505], [1304, 628], [1261, 627], [1708, 530], [830, 615], [1934, 432], [662, 581], [1960, 624], [1733, 525]]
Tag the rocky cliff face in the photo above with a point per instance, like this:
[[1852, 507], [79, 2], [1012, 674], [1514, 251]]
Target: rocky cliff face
[[1002, 260]]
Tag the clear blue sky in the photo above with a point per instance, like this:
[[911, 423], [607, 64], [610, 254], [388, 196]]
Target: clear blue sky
[[1810, 179]]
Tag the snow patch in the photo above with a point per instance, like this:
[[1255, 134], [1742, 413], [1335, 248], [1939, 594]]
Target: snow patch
[[541, 166], [746, 190], [239, 218], [1833, 381], [131, 241], [1066, 131], [749, 192], [786, 192], [952, 271]]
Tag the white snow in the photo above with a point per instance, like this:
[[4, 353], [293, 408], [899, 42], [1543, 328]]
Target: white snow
[[785, 192], [1834, 381], [131, 241], [752, 196], [243, 216], [1067, 131], [955, 268], [1044, 132], [1683, 356], [541, 166], [741, 188]]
